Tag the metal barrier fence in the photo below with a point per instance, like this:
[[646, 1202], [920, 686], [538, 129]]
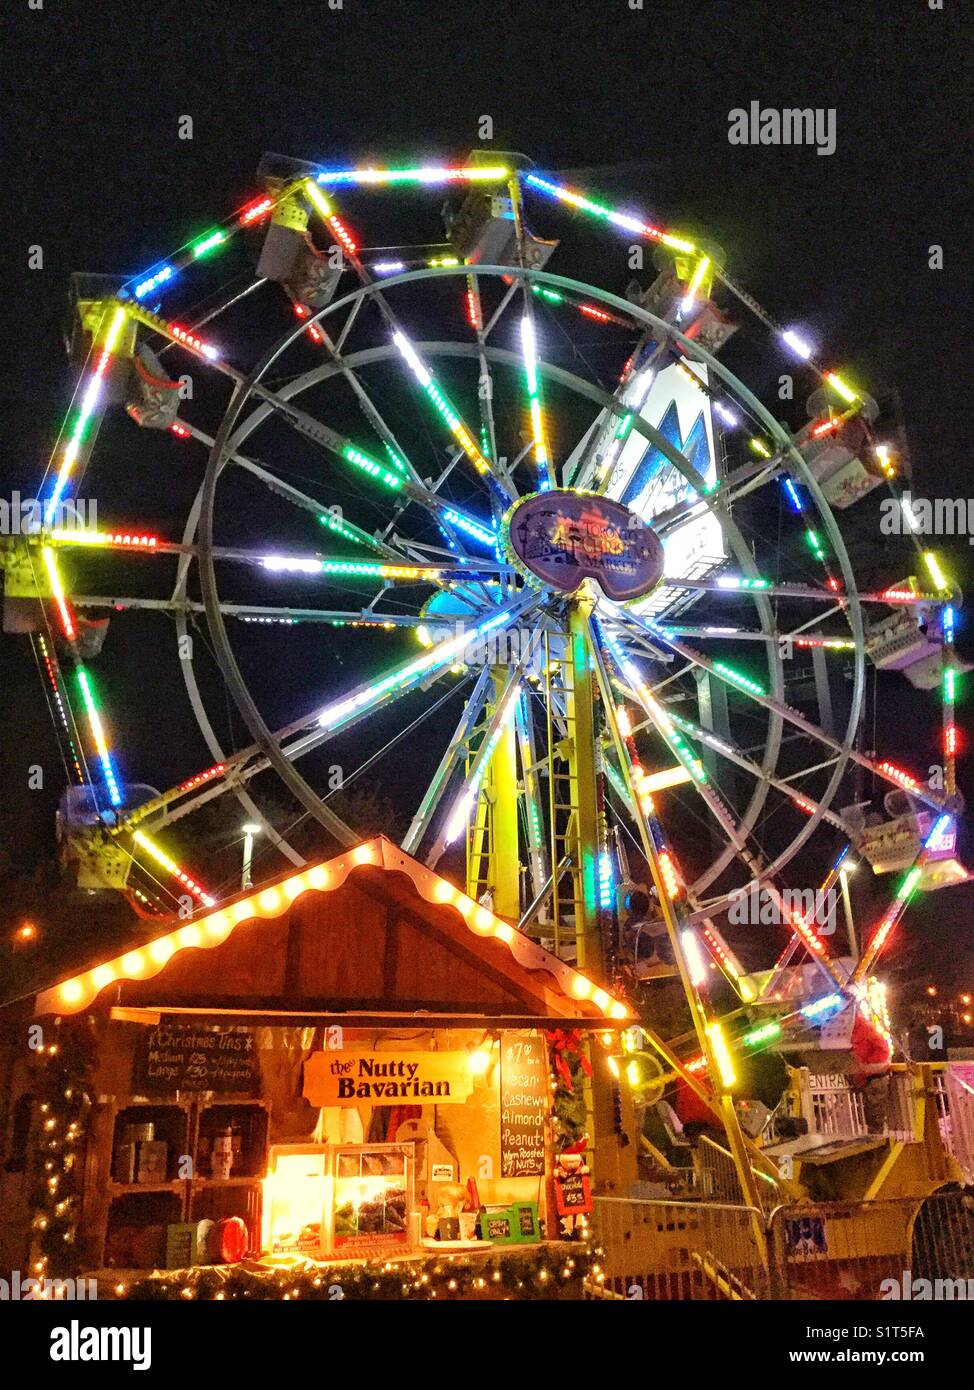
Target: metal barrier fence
[[659, 1250], [840, 1250], [718, 1178], [678, 1250], [953, 1091]]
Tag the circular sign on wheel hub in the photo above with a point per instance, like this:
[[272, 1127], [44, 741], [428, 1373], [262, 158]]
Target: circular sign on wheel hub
[[562, 537]]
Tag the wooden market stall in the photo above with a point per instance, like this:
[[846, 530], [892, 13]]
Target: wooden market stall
[[349, 1062]]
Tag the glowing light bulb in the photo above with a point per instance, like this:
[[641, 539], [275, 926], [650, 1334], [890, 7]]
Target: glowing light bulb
[[161, 950]]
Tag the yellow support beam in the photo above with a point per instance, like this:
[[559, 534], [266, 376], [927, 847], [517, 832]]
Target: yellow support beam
[[505, 875]]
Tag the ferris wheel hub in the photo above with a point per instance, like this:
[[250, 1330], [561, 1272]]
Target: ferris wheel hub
[[565, 536]]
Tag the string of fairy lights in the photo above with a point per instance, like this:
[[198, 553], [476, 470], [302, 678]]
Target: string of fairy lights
[[137, 303]]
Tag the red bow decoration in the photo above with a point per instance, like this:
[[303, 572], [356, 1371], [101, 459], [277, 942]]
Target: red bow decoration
[[565, 1043]]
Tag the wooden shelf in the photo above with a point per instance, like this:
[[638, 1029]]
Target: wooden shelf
[[125, 1189], [226, 1182]]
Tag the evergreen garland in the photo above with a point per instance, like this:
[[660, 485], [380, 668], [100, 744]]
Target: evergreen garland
[[546, 1273], [63, 1104], [569, 1067]]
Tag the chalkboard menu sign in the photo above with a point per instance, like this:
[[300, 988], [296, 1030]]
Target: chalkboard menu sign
[[196, 1059], [573, 1194], [524, 1104]]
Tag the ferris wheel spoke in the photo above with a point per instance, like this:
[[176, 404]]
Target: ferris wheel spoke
[[448, 413], [502, 717], [368, 407], [326, 516], [702, 913], [600, 452], [726, 749], [338, 446], [255, 613], [672, 902], [529, 353], [741, 634], [484, 466], [763, 873], [485, 383], [749, 817], [334, 567], [340, 715], [732, 488], [451, 524], [337, 717], [756, 693], [699, 915], [506, 300], [697, 776], [744, 586], [455, 750]]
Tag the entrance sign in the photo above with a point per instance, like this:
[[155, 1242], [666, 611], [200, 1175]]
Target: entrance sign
[[563, 537], [387, 1078]]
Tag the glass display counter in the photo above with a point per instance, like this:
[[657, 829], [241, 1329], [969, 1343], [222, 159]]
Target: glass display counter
[[348, 1199]]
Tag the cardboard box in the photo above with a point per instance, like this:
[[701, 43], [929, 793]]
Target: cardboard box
[[182, 1245], [153, 1162], [513, 1225], [124, 1166]]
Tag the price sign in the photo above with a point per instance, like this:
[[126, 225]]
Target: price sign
[[523, 1104], [193, 1059], [573, 1194]]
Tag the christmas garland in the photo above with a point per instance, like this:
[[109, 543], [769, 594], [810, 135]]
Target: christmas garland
[[569, 1065], [544, 1274], [63, 1104]]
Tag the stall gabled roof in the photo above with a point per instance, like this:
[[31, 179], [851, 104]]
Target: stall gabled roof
[[371, 933]]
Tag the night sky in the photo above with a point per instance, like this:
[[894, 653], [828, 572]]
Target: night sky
[[630, 104]]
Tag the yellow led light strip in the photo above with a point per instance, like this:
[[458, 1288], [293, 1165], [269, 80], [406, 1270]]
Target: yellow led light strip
[[159, 855], [141, 963], [669, 777]]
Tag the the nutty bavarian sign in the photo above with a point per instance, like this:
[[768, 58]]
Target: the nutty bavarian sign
[[562, 537], [387, 1078]]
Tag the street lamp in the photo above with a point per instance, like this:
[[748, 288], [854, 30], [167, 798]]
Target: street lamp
[[249, 831]]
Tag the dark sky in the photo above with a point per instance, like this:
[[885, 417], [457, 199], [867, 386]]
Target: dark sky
[[97, 176]]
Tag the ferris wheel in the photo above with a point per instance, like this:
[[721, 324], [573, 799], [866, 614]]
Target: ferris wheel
[[599, 604]]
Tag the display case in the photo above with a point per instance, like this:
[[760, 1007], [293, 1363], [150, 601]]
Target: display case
[[298, 1200], [373, 1197], [349, 1199]]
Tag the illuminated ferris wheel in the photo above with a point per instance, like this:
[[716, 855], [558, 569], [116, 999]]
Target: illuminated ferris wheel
[[592, 593]]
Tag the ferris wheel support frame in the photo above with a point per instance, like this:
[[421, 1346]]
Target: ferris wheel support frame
[[702, 1026], [575, 704]]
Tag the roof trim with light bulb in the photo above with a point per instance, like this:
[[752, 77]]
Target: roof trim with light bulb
[[142, 962]]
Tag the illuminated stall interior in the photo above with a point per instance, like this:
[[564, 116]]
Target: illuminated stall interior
[[351, 1061]]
